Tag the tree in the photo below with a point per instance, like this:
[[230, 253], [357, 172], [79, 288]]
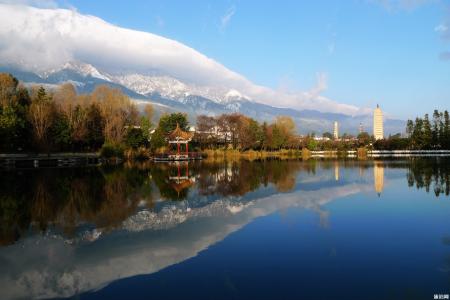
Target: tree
[[10, 126], [363, 139], [77, 123], [149, 112], [277, 137], [409, 128], [117, 111], [435, 130], [60, 132], [228, 126], [264, 135], [146, 126], [249, 133], [135, 138], [427, 135], [158, 139], [8, 86], [417, 135], [327, 135], [287, 129], [168, 123], [206, 129], [40, 115], [446, 131], [95, 126], [14, 102]]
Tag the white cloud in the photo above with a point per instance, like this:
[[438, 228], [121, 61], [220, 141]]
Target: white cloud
[[226, 18], [40, 40], [35, 3]]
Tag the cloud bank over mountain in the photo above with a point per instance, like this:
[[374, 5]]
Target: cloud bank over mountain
[[43, 39]]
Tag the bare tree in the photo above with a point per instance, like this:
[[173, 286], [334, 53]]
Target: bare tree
[[117, 110], [40, 115]]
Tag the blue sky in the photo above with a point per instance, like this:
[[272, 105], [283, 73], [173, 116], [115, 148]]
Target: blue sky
[[385, 52]]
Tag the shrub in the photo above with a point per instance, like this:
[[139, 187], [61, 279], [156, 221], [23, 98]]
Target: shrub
[[111, 151]]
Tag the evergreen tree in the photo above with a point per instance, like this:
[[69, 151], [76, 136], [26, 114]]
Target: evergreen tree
[[410, 128], [277, 138], [435, 130], [446, 131], [427, 135], [95, 127], [60, 132], [417, 136]]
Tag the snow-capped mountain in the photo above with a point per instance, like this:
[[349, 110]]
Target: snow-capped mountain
[[173, 88], [170, 94], [53, 41], [52, 46], [80, 68]]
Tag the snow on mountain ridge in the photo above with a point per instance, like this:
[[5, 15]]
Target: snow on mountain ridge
[[173, 88], [81, 68]]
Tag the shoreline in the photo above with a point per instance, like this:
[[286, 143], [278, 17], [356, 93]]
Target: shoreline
[[73, 159]]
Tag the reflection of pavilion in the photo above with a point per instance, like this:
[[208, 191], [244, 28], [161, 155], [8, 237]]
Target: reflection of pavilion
[[181, 181], [378, 177]]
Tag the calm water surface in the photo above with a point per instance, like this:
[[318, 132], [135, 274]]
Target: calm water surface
[[228, 230]]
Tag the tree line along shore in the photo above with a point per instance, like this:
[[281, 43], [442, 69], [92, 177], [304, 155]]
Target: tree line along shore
[[36, 120]]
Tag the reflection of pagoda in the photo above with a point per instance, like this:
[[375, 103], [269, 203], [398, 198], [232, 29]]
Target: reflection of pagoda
[[378, 177], [181, 182], [336, 171]]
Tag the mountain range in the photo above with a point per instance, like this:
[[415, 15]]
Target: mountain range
[[169, 94], [53, 46]]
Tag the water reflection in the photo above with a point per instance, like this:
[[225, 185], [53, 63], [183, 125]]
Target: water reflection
[[105, 197], [74, 230], [378, 177], [428, 174]]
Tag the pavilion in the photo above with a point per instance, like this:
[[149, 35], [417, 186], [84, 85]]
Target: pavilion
[[179, 137]]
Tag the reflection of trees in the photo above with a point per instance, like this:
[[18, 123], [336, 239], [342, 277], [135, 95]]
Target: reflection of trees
[[237, 178], [161, 174], [67, 198], [430, 173]]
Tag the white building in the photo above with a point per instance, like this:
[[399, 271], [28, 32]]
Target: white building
[[336, 130], [378, 131]]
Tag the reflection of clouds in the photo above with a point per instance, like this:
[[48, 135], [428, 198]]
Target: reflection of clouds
[[46, 267]]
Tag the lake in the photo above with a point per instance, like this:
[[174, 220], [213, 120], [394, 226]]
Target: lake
[[275, 229]]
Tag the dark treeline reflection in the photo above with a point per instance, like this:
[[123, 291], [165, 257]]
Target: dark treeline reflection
[[66, 199], [104, 197], [430, 174]]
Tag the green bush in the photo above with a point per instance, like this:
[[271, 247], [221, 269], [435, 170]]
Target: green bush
[[111, 151]]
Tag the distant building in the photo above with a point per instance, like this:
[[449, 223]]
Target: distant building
[[361, 127], [336, 130], [321, 138], [378, 131]]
